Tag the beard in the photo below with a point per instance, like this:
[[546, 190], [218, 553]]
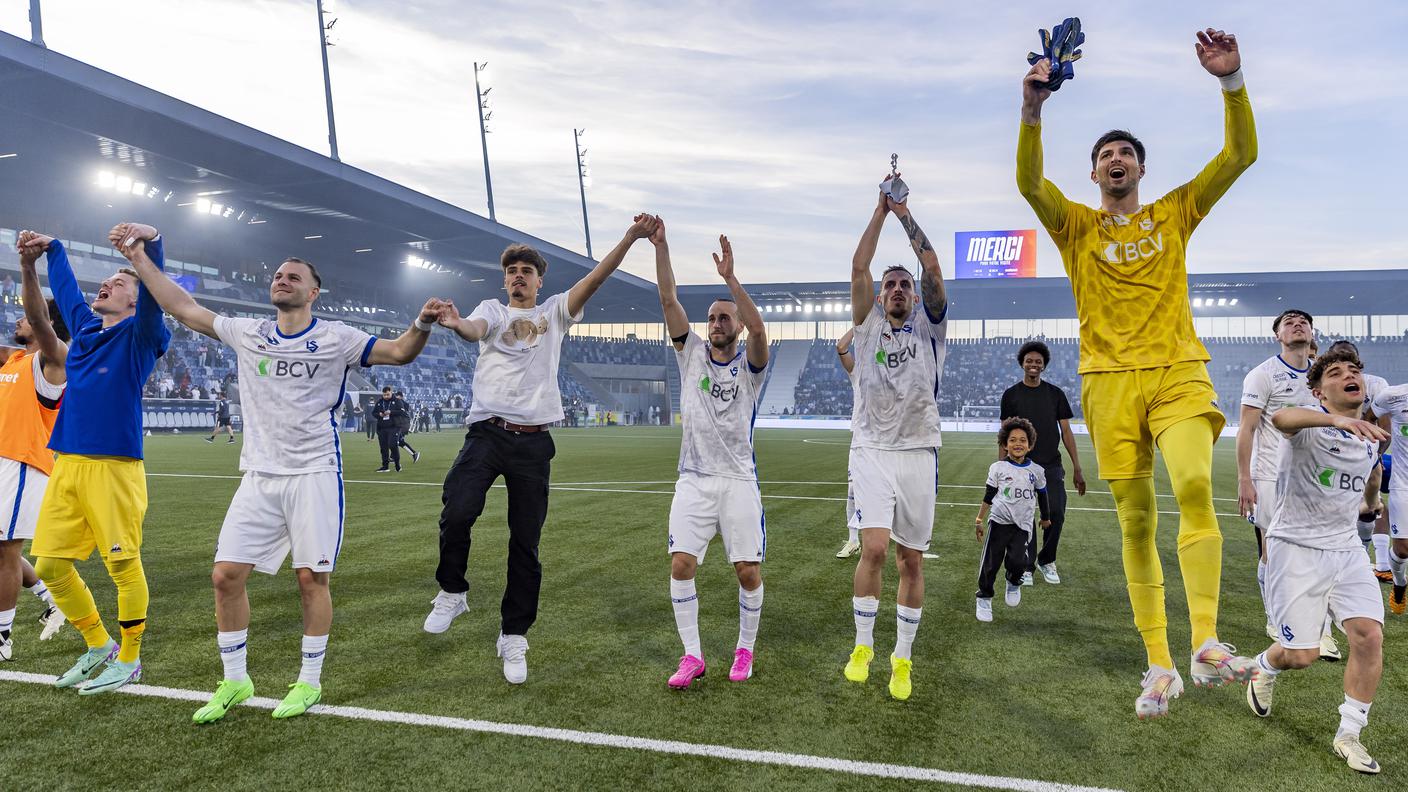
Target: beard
[[897, 311], [20, 339], [725, 343]]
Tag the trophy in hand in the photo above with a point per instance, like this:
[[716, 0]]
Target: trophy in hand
[[894, 187]]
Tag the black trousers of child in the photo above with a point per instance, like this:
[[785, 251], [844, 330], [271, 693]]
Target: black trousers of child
[[1004, 544]]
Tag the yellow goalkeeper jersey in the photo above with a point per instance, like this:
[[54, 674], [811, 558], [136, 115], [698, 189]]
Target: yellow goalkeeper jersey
[[1129, 273]]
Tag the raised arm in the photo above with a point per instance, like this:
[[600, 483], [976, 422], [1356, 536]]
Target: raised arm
[[62, 282], [1217, 51], [844, 351], [862, 282], [1045, 198], [471, 329], [931, 280], [130, 236], [578, 295], [409, 344], [52, 351], [748, 314], [169, 296], [676, 322]]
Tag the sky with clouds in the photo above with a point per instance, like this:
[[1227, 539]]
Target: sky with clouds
[[773, 122]]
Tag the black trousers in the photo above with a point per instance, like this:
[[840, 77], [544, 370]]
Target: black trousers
[[525, 462], [371, 425], [401, 440], [1005, 544], [1050, 536], [389, 437]]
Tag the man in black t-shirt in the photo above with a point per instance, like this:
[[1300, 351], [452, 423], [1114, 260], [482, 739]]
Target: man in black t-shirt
[[222, 419], [1045, 405]]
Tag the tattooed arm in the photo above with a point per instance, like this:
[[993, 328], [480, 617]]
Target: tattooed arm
[[931, 281]]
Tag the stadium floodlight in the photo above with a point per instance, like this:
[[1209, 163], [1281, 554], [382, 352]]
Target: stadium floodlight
[[324, 27], [1221, 301], [216, 209], [848, 307], [1233, 301], [106, 179], [1197, 302], [8, 156], [362, 250], [203, 205], [122, 184], [139, 188], [313, 236]]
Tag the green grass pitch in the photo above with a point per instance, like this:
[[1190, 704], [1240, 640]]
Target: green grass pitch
[[1044, 693]]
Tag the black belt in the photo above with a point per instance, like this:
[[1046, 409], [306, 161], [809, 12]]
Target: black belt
[[513, 427]]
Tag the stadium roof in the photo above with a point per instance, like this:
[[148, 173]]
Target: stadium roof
[[66, 121]]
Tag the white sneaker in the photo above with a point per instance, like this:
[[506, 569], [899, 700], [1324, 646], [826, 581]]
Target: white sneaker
[[1329, 650], [512, 649], [7, 648], [1348, 748], [444, 608], [848, 549], [1014, 595], [984, 609], [52, 620], [1048, 571], [1215, 664], [1260, 692], [1027, 579], [1160, 686]]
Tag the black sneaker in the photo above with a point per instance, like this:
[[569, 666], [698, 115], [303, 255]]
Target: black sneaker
[[231, 441], [210, 440], [415, 457], [398, 467], [385, 469]]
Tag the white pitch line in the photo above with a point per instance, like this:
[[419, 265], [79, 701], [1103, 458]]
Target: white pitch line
[[608, 740], [569, 488]]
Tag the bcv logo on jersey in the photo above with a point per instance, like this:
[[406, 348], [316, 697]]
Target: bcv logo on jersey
[[897, 358], [1121, 252], [268, 367], [724, 393]]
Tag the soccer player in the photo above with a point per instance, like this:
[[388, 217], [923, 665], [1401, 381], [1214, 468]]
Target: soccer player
[[222, 419], [1373, 522], [894, 461], [97, 493], [401, 411], [1015, 491], [1277, 382], [1144, 372], [848, 362], [1314, 564], [31, 385], [516, 397], [293, 375], [1391, 407], [717, 492]]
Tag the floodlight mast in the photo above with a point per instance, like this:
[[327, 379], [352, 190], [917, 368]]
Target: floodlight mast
[[582, 184], [36, 24], [323, 28], [481, 100]]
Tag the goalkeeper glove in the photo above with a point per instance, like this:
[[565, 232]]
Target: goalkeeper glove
[[1059, 47]]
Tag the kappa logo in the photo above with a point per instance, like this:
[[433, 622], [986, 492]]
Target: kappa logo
[[115, 549], [1147, 224], [323, 561]]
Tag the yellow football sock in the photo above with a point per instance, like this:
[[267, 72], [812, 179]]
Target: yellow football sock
[[72, 596], [132, 600], [1138, 515], [1187, 450]]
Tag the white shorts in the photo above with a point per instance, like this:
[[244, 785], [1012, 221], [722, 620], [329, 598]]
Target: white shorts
[[896, 490], [1398, 510], [272, 515], [1304, 584], [707, 505], [1265, 509], [21, 492]]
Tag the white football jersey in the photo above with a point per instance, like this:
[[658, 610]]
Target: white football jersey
[[1393, 402], [1270, 386], [1017, 487], [516, 376], [1320, 489], [896, 381], [291, 389], [1373, 383], [718, 403]]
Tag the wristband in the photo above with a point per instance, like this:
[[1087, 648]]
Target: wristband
[[843, 352], [422, 326], [1233, 81]]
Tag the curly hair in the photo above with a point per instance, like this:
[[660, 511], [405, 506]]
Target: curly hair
[[1016, 423], [1323, 363], [1037, 347]]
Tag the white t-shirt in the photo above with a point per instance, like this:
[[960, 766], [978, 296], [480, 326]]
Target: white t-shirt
[[1017, 487], [291, 389], [1270, 386], [718, 402], [1320, 489], [1373, 383], [896, 381], [516, 376], [1393, 402]]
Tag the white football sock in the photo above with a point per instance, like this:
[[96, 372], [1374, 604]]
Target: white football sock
[[686, 602], [750, 611], [7, 620], [1354, 716], [1381, 547], [906, 625], [315, 648], [1329, 620], [855, 535], [233, 651], [1397, 564], [865, 609], [42, 592], [1261, 584], [1264, 663]]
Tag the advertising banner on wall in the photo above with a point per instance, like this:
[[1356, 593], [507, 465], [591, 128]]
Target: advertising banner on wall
[[995, 254]]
